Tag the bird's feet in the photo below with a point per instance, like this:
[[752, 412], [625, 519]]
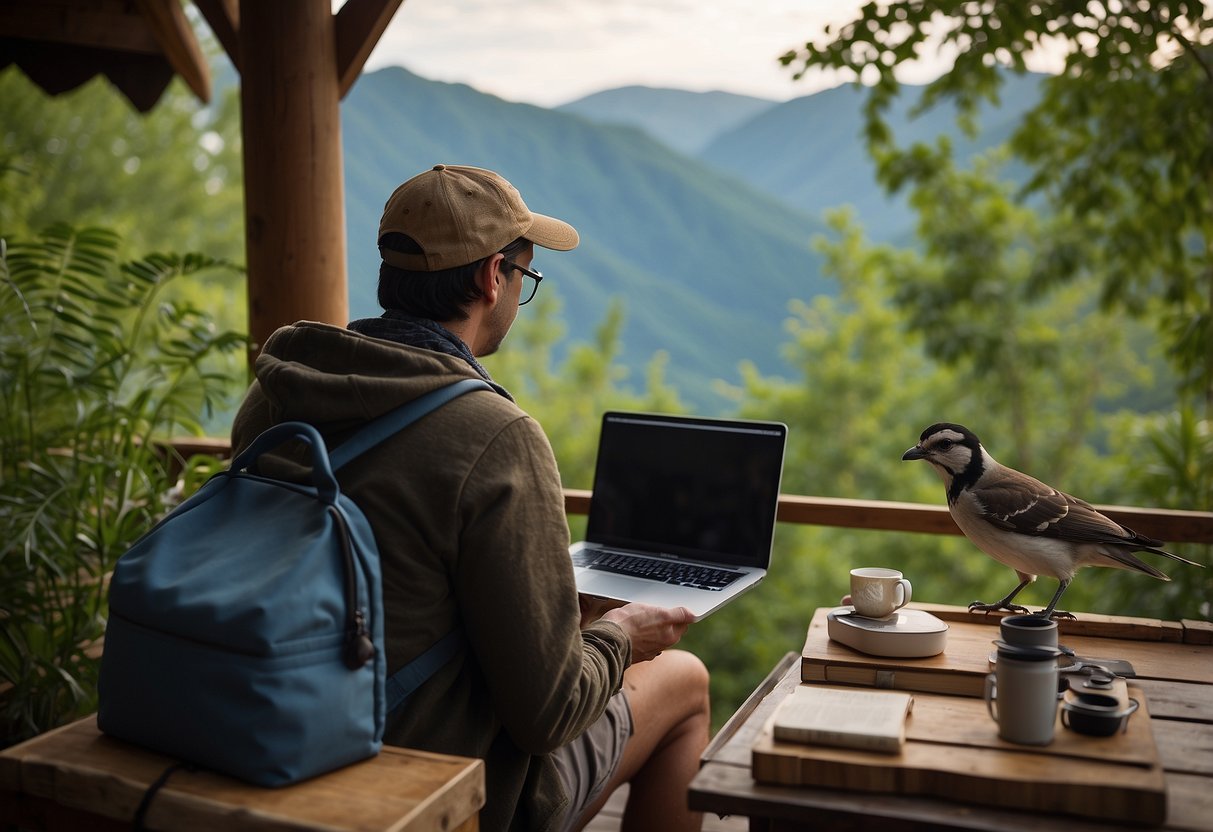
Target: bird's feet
[[978, 606], [1047, 613]]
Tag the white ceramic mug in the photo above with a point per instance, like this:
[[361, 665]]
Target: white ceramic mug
[[877, 592], [1021, 694]]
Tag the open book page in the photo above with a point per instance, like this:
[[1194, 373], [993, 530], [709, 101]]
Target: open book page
[[865, 719]]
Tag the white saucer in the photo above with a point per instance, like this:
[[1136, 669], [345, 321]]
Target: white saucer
[[907, 633]]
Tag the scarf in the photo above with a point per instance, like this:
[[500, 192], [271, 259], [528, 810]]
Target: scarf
[[412, 331]]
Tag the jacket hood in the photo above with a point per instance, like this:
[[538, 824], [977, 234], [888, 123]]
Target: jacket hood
[[307, 372]]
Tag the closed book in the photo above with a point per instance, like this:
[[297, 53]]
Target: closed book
[[870, 720]]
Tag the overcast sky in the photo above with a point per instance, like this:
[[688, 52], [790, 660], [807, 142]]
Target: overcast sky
[[548, 52]]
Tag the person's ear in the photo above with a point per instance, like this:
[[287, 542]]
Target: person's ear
[[490, 279]]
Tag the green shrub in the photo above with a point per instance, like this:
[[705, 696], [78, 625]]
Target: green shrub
[[96, 365]]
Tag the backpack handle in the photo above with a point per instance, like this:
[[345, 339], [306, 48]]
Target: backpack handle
[[322, 471]]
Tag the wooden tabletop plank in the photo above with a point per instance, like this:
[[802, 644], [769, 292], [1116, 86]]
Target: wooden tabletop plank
[[1185, 747], [1189, 803], [1178, 700]]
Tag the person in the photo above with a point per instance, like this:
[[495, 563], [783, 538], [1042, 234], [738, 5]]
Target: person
[[564, 697]]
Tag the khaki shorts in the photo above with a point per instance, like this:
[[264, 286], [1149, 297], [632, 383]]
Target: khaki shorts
[[587, 763]]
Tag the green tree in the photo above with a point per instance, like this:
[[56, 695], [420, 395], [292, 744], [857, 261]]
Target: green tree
[[1120, 145]]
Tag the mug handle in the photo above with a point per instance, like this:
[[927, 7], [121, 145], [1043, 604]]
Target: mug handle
[[1133, 706], [991, 696], [906, 591]]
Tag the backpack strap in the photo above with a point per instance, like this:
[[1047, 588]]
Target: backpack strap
[[394, 421], [401, 684]]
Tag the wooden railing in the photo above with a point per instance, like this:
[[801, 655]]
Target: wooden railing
[[1165, 524]]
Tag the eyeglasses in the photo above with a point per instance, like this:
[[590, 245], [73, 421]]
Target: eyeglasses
[[528, 289]]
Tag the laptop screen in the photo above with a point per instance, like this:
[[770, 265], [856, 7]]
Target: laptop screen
[[705, 489]]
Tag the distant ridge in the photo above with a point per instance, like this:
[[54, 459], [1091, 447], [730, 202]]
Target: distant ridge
[[810, 151], [686, 121]]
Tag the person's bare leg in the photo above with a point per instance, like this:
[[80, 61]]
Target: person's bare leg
[[671, 719]]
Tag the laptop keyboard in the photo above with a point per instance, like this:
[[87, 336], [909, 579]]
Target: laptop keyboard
[[670, 572]]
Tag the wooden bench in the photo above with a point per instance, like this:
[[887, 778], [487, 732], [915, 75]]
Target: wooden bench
[[77, 778]]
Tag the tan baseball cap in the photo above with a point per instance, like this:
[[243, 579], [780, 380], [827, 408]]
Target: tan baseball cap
[[459, 215]]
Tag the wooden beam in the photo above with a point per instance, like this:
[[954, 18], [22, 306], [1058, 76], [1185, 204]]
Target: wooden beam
[[223, 16], [293, 181], [102, 24], [175, 35], [360, 24]]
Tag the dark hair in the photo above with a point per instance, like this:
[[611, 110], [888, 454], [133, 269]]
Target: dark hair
[[441, 295]]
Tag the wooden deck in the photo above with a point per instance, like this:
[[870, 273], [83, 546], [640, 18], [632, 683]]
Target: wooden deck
[[609, 818]]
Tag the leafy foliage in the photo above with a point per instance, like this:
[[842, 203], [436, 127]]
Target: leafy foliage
[[95, 366], [1120, 144]]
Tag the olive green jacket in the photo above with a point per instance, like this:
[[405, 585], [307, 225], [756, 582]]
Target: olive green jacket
[[468, 513]]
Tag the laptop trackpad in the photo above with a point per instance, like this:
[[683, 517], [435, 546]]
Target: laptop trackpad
[[623, 589]]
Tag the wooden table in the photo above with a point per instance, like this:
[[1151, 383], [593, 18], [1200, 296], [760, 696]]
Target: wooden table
[[1174, 664], [76, 778]]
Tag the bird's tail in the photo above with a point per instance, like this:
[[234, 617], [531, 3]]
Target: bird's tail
[[1125, 559], [1172, 556]]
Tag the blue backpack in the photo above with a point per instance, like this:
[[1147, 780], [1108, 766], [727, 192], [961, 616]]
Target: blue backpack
[[245, 632]]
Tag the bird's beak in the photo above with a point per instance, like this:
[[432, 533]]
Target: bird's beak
[[914, 453]]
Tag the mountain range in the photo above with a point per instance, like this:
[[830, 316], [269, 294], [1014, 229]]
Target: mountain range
[[686, 121], [704, 242]]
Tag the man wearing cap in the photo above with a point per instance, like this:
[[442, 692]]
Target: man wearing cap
[[562, 703]]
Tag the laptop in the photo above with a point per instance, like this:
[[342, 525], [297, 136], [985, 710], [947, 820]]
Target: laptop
[[683, 510]]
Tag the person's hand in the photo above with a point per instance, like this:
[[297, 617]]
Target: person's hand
[[593, 607], [650, 629]]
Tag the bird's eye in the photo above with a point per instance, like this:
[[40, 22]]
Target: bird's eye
[[945, 444]]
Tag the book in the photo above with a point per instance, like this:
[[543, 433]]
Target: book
[[870, 720], [925, 680]]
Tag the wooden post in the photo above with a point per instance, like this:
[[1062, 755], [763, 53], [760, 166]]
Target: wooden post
[[293, 183]]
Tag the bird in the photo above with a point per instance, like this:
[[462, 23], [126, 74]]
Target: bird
[[1023, 523]]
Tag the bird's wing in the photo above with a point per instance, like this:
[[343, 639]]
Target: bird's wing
[[1019, 503], [1016, 502]]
